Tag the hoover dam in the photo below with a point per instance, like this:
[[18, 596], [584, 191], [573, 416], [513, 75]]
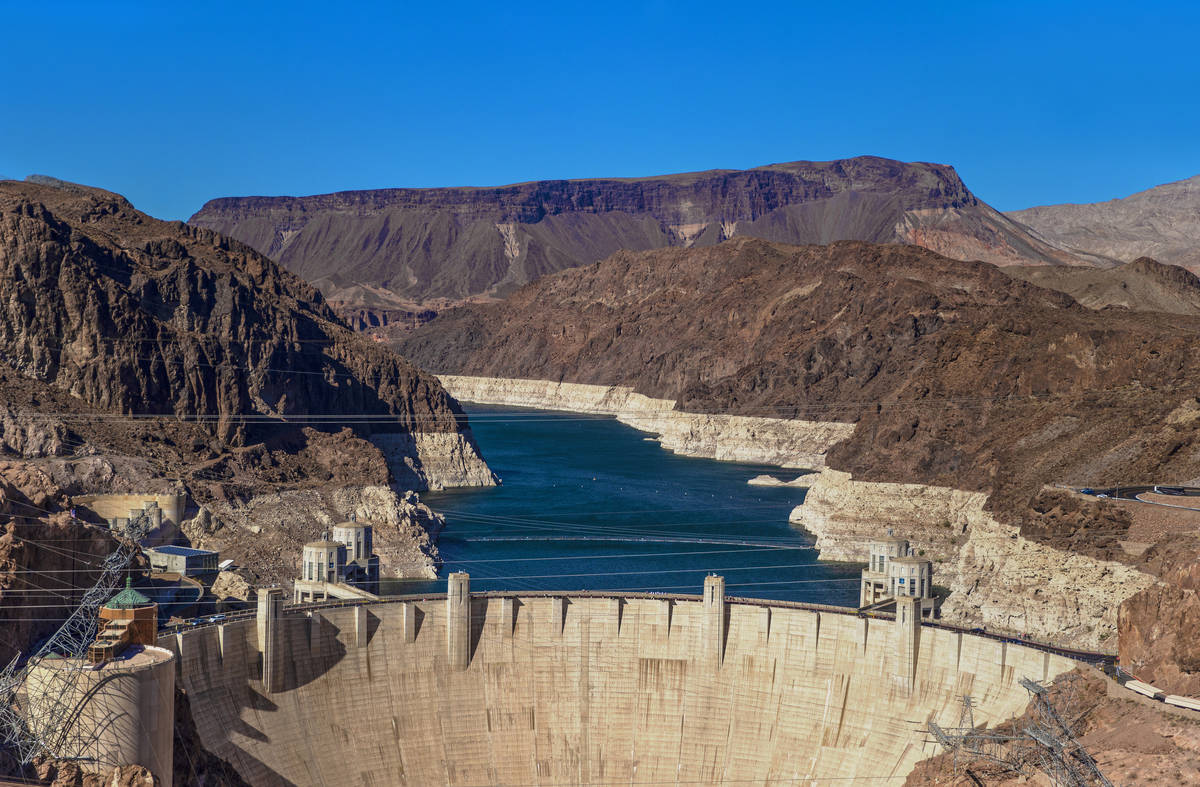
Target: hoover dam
[[587, 688]]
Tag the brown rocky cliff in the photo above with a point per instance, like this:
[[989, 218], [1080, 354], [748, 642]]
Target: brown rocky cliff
[[135, 315], [1160, 626], [457, 242]]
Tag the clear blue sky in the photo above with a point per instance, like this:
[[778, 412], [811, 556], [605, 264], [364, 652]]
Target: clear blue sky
[[174, 103]]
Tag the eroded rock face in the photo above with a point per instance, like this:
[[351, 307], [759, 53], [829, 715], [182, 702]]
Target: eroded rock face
[[1160, 626], [30, 436], [372, 247], [44, 555], [1007, 582], [134, 315]]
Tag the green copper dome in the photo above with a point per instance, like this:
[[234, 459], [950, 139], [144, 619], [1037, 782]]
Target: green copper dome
[[128, 598]]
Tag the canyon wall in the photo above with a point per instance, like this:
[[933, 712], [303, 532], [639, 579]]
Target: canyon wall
[[136, 316], [733, 438], [588, 690]]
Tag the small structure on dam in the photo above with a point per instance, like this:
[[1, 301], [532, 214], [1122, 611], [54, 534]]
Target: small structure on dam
[[143, 513], [129, 618], [343, 565], [585, 687], [894, 572], [115, 708], [184, 561]]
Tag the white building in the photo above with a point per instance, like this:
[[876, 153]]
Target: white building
[[340, 566], [892, 570]]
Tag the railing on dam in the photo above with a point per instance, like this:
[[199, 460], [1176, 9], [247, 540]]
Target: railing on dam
[[1087, 656]]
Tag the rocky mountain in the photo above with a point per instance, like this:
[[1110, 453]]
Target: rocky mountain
[[135, 315], [139, 316], [971, 395], [1162, 222], [383, 248], [1141, 285], [143, 356]]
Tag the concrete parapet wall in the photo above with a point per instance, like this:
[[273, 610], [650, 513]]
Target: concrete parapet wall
[[589, 690]]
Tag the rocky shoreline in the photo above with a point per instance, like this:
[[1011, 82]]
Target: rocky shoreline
[[997, 577], [731, 438]]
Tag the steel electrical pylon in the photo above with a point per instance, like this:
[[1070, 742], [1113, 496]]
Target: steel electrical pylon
[[1049, 741]]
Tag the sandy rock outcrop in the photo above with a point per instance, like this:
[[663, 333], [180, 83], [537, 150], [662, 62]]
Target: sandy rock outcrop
[[230, 584], [421, 461], [64, 773], [997, 577], [733, 438], [264, 534], [845, 514], [800, 481], [1160, 626]]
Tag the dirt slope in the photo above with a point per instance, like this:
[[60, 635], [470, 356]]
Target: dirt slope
[[1162, 222], [1141, 285]]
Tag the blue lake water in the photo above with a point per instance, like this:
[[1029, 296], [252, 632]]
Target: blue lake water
[[588, 503]]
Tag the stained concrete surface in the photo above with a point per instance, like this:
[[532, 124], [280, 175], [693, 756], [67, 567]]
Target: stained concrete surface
[[586, 690]]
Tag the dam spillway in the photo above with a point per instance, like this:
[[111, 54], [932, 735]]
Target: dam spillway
[[557, 689]]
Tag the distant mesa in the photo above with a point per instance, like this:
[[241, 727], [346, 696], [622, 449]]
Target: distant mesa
[[390, 247]]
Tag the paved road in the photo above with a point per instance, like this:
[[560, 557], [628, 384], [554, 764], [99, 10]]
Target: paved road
[[1090, 657], [1135, 491]]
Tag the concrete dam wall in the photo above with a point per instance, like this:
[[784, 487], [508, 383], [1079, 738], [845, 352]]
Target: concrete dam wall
[[587, 689]]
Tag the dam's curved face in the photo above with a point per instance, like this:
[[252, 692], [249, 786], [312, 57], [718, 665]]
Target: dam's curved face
[[585, 690]]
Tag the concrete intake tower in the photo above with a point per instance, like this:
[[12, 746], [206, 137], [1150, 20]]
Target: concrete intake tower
[[587, 688]]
